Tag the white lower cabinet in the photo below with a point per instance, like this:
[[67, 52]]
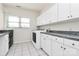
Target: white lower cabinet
[[69, 51], [4, 45], [57, 46], [46, 44], [42, 41], [63, 50], [57, 49]]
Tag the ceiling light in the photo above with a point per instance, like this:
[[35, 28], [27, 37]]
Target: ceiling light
[[18, 6]]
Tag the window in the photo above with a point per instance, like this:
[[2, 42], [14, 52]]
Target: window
[[14, 21], [25, 22]]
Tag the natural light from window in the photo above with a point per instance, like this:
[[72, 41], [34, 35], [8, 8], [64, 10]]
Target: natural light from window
[[14, 21]]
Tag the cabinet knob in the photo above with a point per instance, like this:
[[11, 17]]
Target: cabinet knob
[[61, 47], [64, 48], [68, 17], [73, 44], [56, 38], [71, 15]]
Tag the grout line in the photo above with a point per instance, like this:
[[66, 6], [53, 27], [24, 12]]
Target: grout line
[[21, 50], [44, 52], [29, 49], [14, 50], [28, 46], [36, 50]]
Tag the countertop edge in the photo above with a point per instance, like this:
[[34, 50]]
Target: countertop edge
[[4, 34], [75, 39]]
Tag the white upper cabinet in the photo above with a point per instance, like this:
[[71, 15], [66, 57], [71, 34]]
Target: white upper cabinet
[[48, 16], [63, 11], [74, 10], [38, 21], [59, 12], [67, 11], [52, 14]]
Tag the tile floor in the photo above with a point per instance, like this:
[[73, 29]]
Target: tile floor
[[25, 49]]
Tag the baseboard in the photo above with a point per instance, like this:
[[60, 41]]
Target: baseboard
[[21, 42]]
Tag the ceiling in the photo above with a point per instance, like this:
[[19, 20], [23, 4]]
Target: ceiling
[[30, 6]]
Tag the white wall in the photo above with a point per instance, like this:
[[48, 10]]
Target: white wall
[[47, 7], [21, 34], [1, 17]]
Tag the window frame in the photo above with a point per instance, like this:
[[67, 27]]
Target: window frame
[[17, 22]]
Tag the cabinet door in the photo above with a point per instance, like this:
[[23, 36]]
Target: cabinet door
[[48, 16], [48, 45], [74, 10], [69, 51], [4, 45], [38, 21], [57, 49], [63, 11], [42, 41], [52, 14]]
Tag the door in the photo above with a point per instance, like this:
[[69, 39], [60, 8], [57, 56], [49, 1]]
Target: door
[[75, 10], [63, 11]]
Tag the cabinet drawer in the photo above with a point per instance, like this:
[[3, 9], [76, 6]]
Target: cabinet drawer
[[57, 39], [69, 51], [60, 40], [57, 49], [72, 43]]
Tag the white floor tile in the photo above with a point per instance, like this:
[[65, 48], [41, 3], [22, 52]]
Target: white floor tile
[[25, 49]]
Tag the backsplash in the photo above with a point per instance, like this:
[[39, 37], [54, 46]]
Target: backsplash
[[65, 26]]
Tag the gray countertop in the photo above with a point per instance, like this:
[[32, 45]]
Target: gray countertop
[[68, 36], [2, 34]]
